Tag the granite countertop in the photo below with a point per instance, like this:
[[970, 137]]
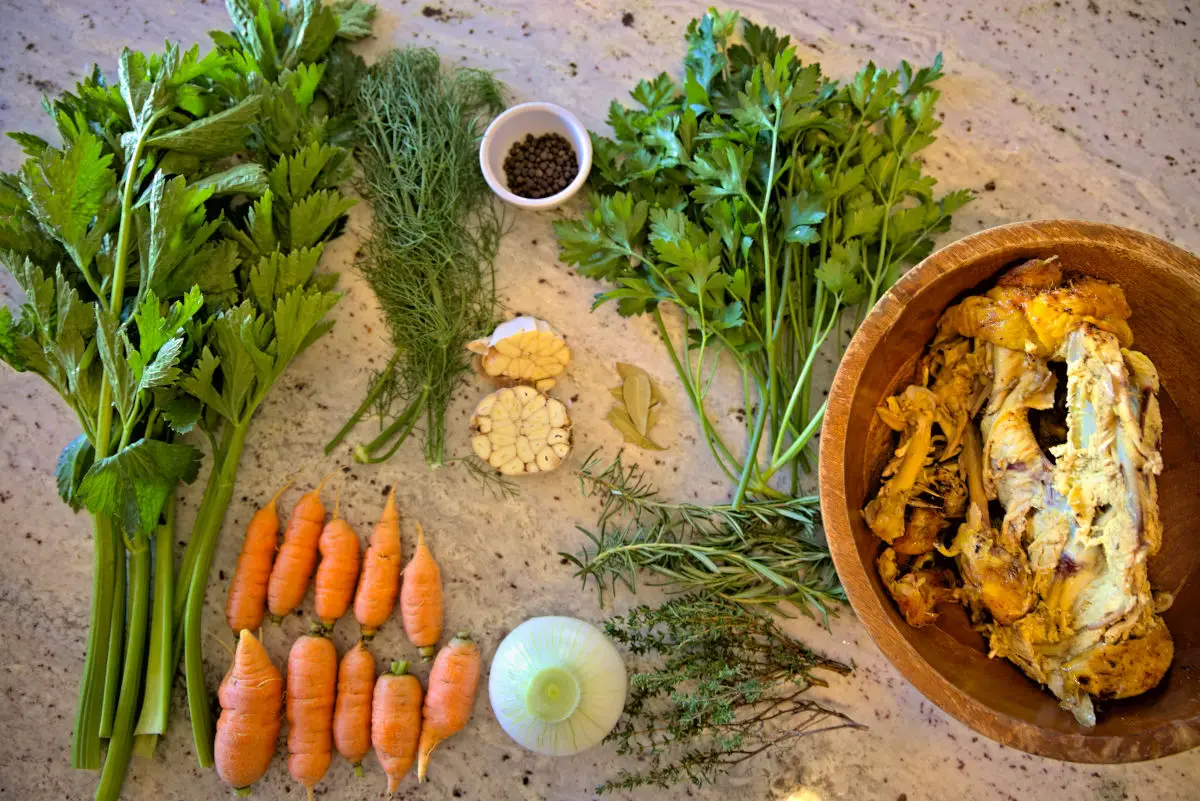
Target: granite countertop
[[1078, 108]]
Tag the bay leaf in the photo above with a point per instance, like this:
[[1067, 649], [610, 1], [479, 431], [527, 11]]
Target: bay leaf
[[626, 370], [637, 400], [620, 420]]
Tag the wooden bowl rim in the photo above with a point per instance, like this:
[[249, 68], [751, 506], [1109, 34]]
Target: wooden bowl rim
[[1158, 741]]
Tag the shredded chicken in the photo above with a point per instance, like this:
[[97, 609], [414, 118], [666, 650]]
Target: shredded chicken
[[1059, 583]]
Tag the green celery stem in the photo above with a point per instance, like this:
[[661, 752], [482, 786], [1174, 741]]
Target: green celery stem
[[207, 530], [120, 747], [160, 669], [95, 699], [184, 577], [116, 644], [85, 741]]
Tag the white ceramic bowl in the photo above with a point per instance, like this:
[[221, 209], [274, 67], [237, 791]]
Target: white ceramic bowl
[[537, 119]]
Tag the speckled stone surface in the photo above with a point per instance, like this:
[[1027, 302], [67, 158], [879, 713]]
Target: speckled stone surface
[[1079, 108]]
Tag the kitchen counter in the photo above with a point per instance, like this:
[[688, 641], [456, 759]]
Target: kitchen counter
[[1079, 108]]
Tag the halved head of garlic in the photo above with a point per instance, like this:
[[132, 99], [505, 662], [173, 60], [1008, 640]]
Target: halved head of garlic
[[520, 430], [525, 350]]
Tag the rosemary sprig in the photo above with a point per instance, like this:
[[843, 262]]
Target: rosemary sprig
[[730, 686], [763, 552]]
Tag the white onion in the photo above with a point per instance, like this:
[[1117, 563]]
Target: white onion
[[557, 685]]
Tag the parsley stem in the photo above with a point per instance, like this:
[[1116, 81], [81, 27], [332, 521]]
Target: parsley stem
[[711, 437]]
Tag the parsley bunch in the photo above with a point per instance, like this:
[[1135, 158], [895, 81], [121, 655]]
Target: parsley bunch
[[766, 202], [166, 250]]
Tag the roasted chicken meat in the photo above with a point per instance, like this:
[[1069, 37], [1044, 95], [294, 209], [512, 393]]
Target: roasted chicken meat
[[1044, 542]]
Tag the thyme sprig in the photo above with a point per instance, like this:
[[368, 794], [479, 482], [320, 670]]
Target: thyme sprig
[[729, 685]]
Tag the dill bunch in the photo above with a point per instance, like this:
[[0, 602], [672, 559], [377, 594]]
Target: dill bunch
[[429, 256], [721, 684], [762, 552]]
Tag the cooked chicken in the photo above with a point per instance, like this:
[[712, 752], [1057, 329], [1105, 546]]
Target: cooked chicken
[[919, 590], [1059, 585], [914, 409], [1033, 309], [995, 570]]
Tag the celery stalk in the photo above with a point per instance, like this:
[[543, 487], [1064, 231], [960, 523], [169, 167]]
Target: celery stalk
[[160, 668], [120, 746], [207, 531]]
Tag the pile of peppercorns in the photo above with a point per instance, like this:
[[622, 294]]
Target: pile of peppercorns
[[541, 166]]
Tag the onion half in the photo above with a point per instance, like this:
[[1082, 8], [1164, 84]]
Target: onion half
[[557, 685]]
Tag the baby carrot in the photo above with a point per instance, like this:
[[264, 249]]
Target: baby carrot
[[251, 698], [338, 571], [311, 682], [421, 599], [352, 713], [452, 685], [298, 554], [247, 602], [380, 582], [396, 722]]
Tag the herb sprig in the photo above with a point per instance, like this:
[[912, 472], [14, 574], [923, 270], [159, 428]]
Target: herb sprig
[[763, 553], [724, 684], [433, 239]]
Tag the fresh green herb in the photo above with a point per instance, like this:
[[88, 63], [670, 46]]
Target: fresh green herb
[[433, 239], [767, 203], [159, 300], [763, 552], [724, 684]]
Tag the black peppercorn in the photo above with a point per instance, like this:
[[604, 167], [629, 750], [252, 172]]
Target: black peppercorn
[[538, 167]]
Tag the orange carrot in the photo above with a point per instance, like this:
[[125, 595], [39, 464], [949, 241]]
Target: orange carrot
[[352, 714], [298, 554], [247, 602], [396, 722], [338, 571], [421, 599], [380, 582], [452, 685], [311, 682], [251, 697]]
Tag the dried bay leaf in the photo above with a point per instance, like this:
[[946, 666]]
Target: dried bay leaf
[[622, 422], [636, 395]]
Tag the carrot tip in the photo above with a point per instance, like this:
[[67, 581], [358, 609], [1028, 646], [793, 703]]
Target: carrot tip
[[358, 771], [242, 792], [427, 652], [399, 668]]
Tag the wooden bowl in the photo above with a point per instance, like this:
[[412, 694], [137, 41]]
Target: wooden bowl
[[948, 662]]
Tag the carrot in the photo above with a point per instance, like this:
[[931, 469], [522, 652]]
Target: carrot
[[352, 714], [298, 554], [421, 599], [396, 722], [452, 685], [380, 582], [338, 571], [246, 605], [311, 681], [251, 697]]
